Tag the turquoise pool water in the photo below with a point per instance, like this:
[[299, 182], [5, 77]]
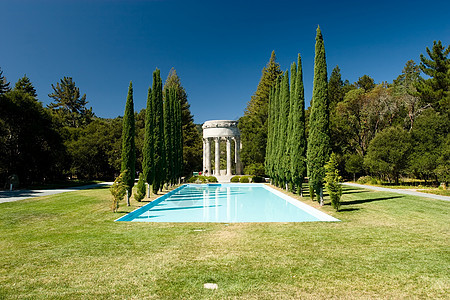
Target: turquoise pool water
[[226, 203]]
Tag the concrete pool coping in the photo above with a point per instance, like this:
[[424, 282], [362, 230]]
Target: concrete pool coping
[[323, 217]]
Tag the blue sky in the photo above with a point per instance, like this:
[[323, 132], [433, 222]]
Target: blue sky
[[217, 47]]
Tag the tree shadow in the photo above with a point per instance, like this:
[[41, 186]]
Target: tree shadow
[[348, 209], [344, 192], [369, 200]]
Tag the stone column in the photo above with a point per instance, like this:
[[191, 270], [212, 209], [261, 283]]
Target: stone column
[[228, 156], [217, 157], [237, 149], [204, 156], [208, 156]]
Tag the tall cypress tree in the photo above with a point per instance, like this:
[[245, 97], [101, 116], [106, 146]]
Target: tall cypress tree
[[158, 132], [319, 138], [289, 152], [283, 128], [148, 148], [253, 125], [128, 144], [179, 137], [297, 135]]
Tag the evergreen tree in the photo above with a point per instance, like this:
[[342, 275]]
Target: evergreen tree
[[253, 125], [148, 167], [332, 182], [158, 132], [168, 135], [319, 139], [24, 84], [297, 134], [335, 88], [128, 143], [192, 140], [281, 170], [69, 105], [436, 90], [4, 84], [179, 142], [366, 83]]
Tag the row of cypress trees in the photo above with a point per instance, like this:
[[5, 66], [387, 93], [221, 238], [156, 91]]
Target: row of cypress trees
[[288, 159], [163, 138]]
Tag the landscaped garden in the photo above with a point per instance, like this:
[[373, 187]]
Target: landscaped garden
[[68, 246]]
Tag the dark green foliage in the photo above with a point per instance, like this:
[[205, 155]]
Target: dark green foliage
[[284, 105], [319, 139], [4, 84], [297, 134], [332, 182], [169, 122], [94, 152], [118, 190], [253, 125], [202, 179], [436, 90], [335, 88], [430, 131], [258, 179], [24, 84], [191, 138], [244, 179], [30, 145], [366, 83], [255, 169], [69, 106], [212, 179], [387, 154], [354, 164], [235, 179], [158, 132], [140, 188], [128, 143], [148, 167]]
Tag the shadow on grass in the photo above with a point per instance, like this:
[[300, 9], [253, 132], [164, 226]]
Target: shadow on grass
[[369, 200], [348, 209], [345, 192]]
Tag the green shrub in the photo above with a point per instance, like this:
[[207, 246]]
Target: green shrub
[[332, 179], [140, 188], [201, 179], [244, 179], [256, 169], [235, 179], [118, 190], [258, 179], [211, 179], [367, 179]]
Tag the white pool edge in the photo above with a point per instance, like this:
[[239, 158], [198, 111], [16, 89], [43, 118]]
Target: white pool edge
[[309, 209]]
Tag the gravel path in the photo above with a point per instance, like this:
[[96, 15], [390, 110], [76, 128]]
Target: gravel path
[[10, 196], [399, 191]]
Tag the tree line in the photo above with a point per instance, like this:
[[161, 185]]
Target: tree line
[[66, 140], [376, 131]]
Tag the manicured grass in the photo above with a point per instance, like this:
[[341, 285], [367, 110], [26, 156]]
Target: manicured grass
[[415, 187], [67, 246]]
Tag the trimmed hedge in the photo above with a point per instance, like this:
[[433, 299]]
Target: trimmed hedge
[[235, 179]]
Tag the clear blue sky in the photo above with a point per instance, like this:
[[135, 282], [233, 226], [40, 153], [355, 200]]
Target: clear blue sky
[[217, 47]]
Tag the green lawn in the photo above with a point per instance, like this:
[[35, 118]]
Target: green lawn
[[67, 246]]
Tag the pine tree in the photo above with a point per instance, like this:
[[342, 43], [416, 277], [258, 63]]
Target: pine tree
[[128, 144], [24, 84], [158, 132], [148, 167], [69, 106], [335, 88], [253, 125], [4, 84], [436, 90], [297, 134], [319, 139]]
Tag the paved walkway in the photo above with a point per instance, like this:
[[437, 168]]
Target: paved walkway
[[10, 196], [399, 191]]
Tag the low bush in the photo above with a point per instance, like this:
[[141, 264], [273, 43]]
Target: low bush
[[244, 179], [258, 179], [201, 179], [235, 179], [367, 179], [212, 179]]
